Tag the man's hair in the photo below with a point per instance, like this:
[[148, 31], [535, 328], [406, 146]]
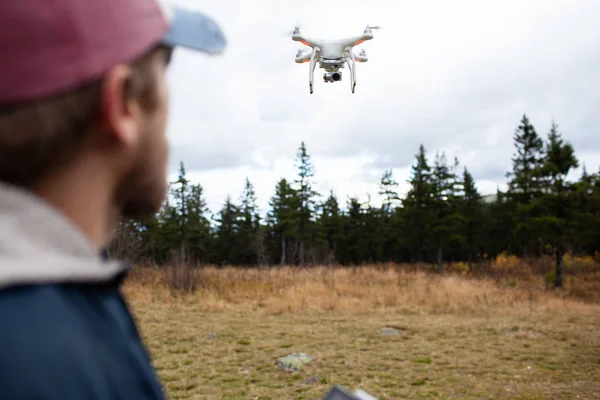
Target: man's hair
[[44, 134]]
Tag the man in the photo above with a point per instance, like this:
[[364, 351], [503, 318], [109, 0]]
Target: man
[[83, 111]]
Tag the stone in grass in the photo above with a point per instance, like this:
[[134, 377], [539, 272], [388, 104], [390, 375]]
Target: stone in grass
[[389, 331], [313, 379], [294, 362]]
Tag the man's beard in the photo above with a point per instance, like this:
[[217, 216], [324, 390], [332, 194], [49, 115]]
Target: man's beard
[[144, 202], [142, 193]]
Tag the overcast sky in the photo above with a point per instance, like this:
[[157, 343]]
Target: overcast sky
[[456, 76]]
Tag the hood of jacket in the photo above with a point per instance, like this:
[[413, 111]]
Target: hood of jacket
[[39, 245]]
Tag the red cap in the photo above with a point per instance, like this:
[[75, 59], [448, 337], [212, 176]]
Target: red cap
[[51, 46]]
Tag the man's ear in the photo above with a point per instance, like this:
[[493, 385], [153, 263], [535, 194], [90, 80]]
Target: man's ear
[[121, 114]]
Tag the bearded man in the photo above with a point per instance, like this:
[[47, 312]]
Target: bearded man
[[83, 113]]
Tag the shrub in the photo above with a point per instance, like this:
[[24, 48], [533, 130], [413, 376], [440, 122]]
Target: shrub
[[506, 263], [183, 278], [461, 268]]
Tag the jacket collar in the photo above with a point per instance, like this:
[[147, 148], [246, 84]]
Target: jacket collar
[[39, 245]]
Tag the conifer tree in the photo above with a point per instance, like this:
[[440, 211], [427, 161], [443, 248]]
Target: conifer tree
[[180, 210], [165, 230], [525, 177], [473, 217], [306, 196], [444, 205], [283, 219], [587, 205], [189, 213], [418, 213], [498, 229], [330, 227], [557, 206], [354, 246], [525, 182], [388, 227], [388, 188], [226, 242], [198, 231], [372, 235], [249, 225]]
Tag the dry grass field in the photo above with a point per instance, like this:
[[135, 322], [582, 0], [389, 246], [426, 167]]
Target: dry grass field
[[458, 336]]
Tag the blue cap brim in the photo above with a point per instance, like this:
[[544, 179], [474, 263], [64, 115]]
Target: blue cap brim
[[194, 30]]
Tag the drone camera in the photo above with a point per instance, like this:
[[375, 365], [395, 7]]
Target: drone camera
[[332, 76]]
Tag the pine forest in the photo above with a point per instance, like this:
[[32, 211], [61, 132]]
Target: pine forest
[[442, 219]]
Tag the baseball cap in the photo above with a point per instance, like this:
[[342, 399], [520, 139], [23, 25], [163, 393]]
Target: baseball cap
[[51, 46]]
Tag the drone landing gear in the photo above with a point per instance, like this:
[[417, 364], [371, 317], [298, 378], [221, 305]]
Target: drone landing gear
[[311, 69], [352, 67]]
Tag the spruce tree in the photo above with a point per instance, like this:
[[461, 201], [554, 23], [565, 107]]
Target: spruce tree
[[187, 220], [443, 205], [355, 245], [249, 225], [557, 206], [388, 189], [525, 177], [587, 205], [306, 196], [330, 227], [283, 220], [167, 229], [198, 230], [418, 214], [525, 184], [372, 234], [473, 217], [498, 229], [180, 211], [388, 228], [226, 242]]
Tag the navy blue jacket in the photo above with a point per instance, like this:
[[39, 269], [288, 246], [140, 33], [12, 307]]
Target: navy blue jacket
[[65, 330], [71, 342]]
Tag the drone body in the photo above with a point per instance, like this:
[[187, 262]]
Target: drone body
[[332, 55]]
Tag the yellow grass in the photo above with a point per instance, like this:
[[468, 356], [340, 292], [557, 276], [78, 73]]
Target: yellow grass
[[459, 337]]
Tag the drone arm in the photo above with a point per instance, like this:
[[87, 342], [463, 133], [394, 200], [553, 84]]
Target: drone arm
[[305, 41], [303, 57], [361, 57], [355, 41]]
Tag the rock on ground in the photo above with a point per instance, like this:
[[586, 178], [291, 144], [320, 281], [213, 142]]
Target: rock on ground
[[294, 362], [388, 331]]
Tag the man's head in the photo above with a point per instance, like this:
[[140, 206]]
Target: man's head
[[119, 119], [83, 93]]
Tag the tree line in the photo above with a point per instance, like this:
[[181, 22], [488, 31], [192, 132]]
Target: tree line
[[442, 218]]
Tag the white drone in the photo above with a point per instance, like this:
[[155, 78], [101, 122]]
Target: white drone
[[331, 55]]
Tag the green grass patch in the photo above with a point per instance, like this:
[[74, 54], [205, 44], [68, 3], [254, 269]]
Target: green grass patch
[[424, 360]]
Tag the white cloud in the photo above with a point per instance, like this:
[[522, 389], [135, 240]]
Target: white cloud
[[455, 76]]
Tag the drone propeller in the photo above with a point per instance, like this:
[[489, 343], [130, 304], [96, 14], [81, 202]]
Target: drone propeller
[[290, 32], [373, 27]]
